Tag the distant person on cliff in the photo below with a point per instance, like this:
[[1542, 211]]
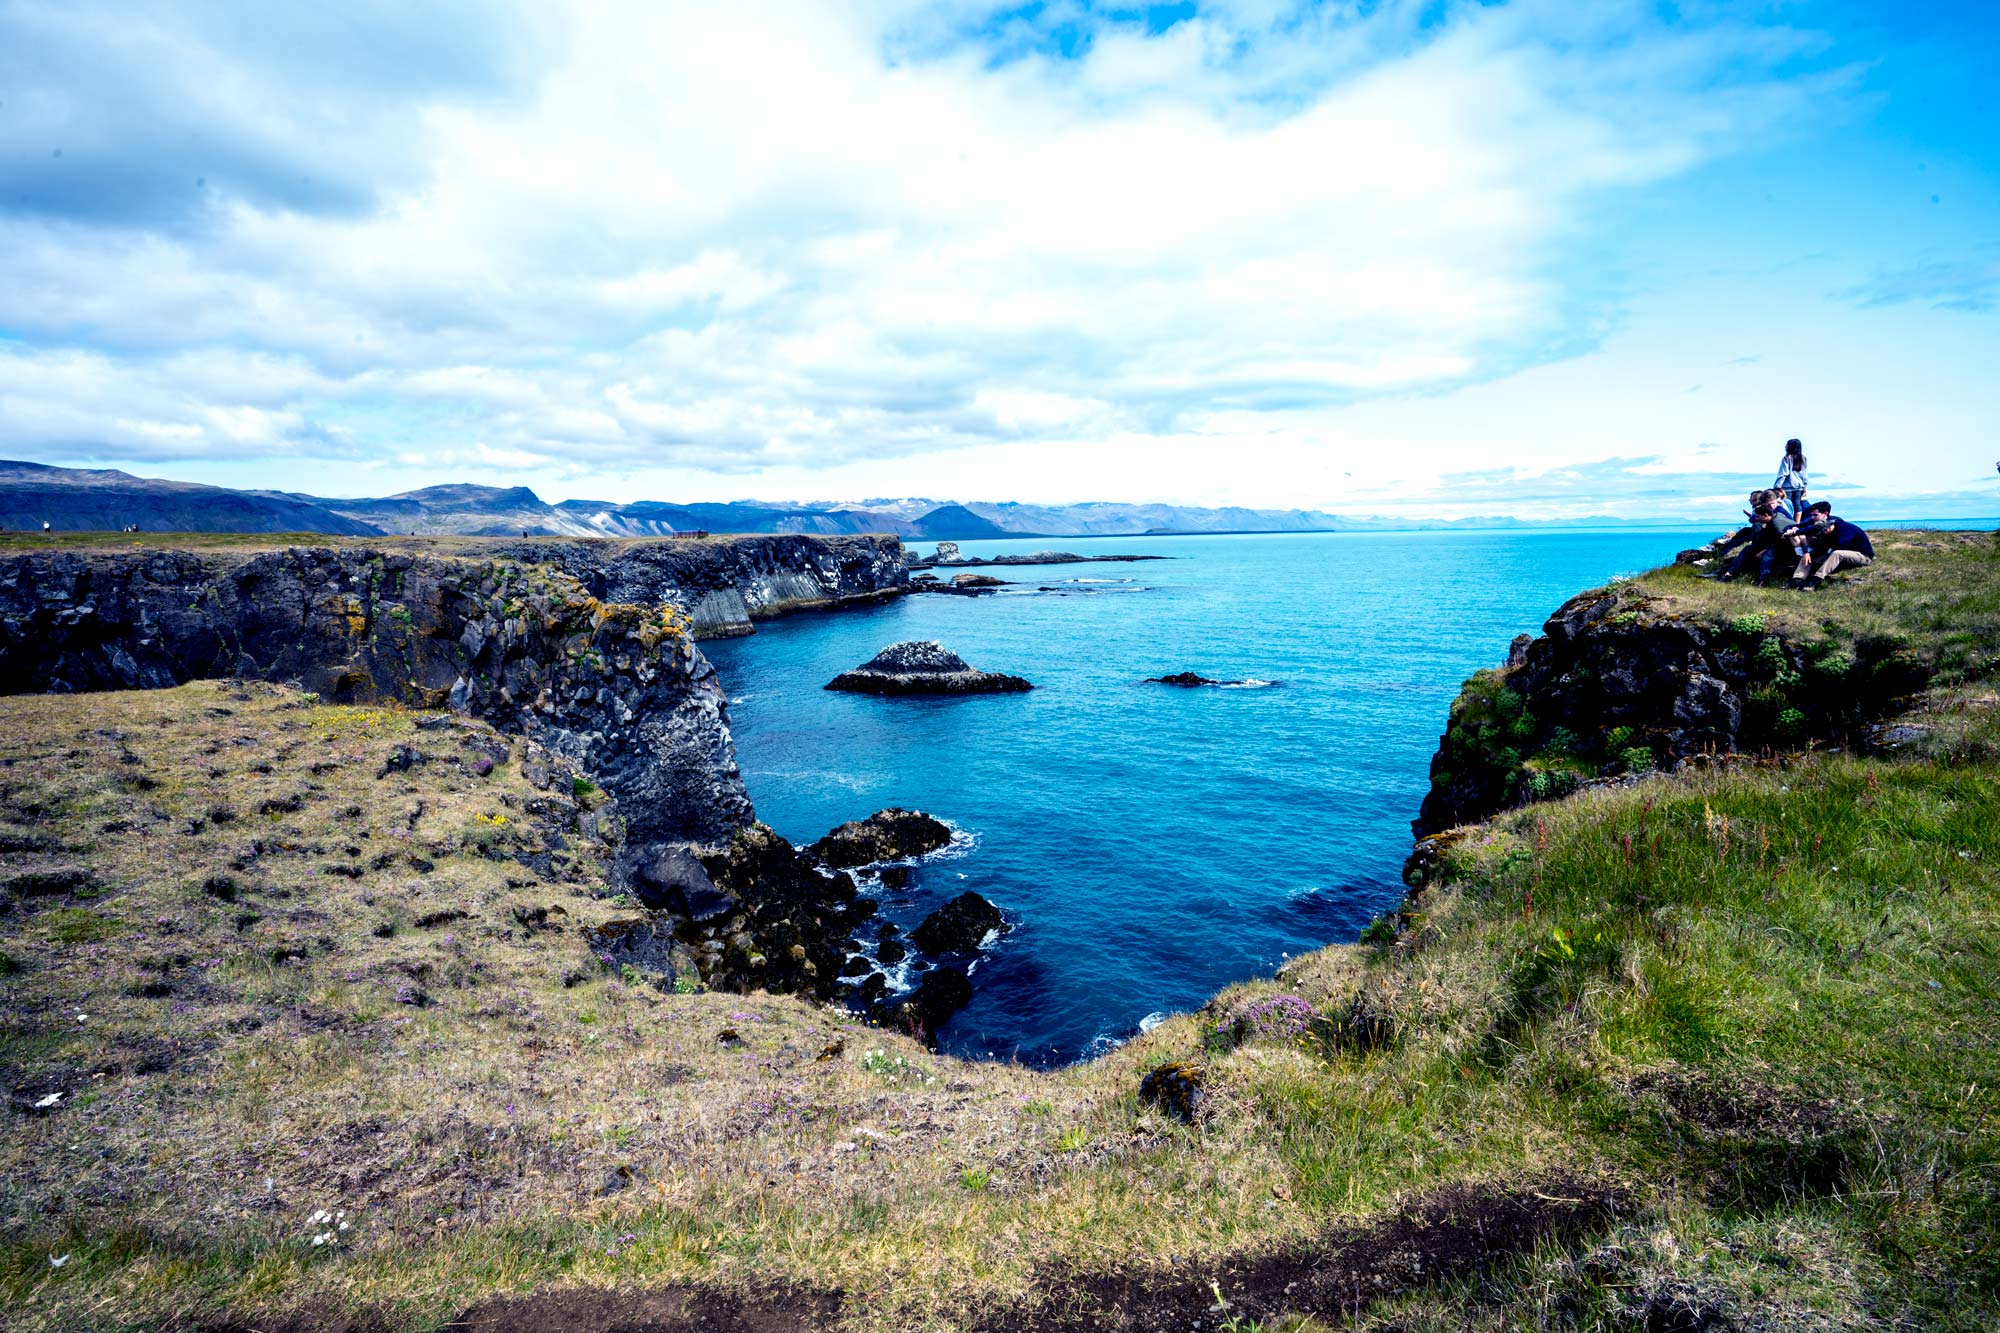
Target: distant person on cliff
[[1791, 479], [1834, 545]]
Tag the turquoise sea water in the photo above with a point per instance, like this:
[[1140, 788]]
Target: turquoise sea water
[[1152, 844]]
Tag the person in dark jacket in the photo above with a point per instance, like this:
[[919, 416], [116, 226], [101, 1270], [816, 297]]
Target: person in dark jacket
[[1834, 545], [1764, 545]]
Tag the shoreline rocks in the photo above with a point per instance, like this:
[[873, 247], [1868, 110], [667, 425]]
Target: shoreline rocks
[[922, 1011], [961, 585], [960, 926], [956, 561], [887, 835], [923, 667]]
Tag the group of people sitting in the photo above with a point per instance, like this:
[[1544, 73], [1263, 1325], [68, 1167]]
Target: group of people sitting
[[1784, 532]]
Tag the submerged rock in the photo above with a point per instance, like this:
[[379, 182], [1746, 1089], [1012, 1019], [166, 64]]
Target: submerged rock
[[887, 835], [1189, 680], [959, 926], [923, 667]]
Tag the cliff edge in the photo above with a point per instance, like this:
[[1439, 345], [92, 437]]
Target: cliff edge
[[1665, 670], [616, 691]]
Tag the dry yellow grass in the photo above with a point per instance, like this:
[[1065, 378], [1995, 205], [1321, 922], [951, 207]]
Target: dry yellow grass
[[305, 987]]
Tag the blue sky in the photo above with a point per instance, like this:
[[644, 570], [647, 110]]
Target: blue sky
[[1432, 258]]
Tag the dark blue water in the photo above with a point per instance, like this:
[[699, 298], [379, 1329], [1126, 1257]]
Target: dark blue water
[[1154, 844]]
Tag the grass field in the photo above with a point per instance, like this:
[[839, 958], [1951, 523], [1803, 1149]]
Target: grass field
[[1713, 1050]]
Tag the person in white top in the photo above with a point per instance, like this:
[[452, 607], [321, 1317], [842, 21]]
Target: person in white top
[[1792, 476]]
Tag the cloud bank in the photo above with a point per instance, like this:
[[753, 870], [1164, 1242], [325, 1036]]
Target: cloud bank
[[770, 239]]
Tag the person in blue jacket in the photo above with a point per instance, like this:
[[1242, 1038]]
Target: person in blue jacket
[[1834, 544]]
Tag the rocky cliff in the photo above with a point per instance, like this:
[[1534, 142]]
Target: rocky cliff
[[615, 689], [722, 584], [1623, 681]]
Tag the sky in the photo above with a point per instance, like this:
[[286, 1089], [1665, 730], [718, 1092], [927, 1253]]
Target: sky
[[1391, 258]]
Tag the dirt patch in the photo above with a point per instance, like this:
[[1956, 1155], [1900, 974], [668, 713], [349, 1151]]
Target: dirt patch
[[1758, 1145], [582, 1310], [670, 1310], [1446, 1234]]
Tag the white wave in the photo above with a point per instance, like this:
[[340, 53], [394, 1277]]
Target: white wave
[[964, 842], [1152, 1020], [1251, 684], [826, 776]]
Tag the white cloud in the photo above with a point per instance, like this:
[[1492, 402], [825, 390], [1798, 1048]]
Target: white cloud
[[778, 237]]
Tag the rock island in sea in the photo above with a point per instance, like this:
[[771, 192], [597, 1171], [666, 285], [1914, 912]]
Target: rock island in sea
[[923, 667]]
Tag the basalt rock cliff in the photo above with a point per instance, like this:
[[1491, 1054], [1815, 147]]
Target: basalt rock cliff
[[723, 584], [1619, 685], [615, 688]]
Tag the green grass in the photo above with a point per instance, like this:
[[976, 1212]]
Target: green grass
[[1759, 1005], [1936, 594]]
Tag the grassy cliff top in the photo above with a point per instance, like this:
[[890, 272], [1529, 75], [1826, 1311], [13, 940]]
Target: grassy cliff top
[[1717, 1049], [1937, 591]]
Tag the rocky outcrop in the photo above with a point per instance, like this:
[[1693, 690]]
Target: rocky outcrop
[[961, 585], [617, 689], [790, 924], [921, 1012], [1616, 685], [723, 584], [923, 667], [960, 926], [956, 561], [1187, 679], [886, 835]]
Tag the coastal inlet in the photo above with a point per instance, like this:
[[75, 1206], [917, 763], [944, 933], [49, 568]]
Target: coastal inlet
[[1152, 844]]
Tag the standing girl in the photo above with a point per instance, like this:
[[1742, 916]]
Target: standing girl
[[1792, 476]]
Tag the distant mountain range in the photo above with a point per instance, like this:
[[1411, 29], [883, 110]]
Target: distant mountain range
[[75, 500], [101, 500]]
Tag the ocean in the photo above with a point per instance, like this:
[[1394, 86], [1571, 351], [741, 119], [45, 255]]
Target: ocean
[[1152, 844]]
